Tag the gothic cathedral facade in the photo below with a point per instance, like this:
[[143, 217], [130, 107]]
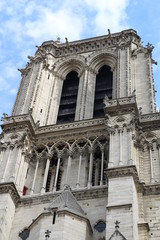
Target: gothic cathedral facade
[[80, 154]]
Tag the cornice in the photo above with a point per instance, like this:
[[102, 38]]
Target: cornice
[[128, 205], [10, 189], [70, 126], [18, 122], [143, 224], [120, 106], [125, 171], [150, 121], [151, 189], [91, 44], [81, 194]]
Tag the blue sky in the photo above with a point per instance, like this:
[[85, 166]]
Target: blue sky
[[26, 23]]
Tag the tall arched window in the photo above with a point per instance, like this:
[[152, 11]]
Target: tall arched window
[[68, 100], [103, 88]]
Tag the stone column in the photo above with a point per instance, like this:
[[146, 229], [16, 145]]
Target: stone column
[[120, 147], [158, 146], [151, 163], [3, 149], [1, 154], [90, 169], [81, 95], [79, 171], [97, 163], [68, 169], [45, 176], [130, 147], [16, 164], [34, 178], [19, 170], [111, 163], [102, 166], [90, 94], [137, 158], [57, 172], [7, 163], [26, 159]]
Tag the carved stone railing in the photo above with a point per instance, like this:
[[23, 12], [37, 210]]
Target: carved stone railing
[[92, 44], [73, 125], [119, 101], [150, 117]]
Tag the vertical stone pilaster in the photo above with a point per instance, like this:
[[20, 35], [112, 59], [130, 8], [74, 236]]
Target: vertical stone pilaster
[[111, 163], [45, 176], [19, 167], [79, 171], [102, 166], [151, 163], [121, 147], [90, 170], [49, 104], [81, 95], [11, 147], [23, 174], [15, 165], [57, 172], [55, 101], [90, 93], [68, 169], [34, 178]]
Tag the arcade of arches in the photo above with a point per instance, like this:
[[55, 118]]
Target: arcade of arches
[[51, 166]]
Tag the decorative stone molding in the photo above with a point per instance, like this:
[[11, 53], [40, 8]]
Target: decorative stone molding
[[70, 126], [97, 59], [143, 224], [152, 189], [11, 189], [81, 194], [20, 123], [65, 65], [120, 39], [123, 172]]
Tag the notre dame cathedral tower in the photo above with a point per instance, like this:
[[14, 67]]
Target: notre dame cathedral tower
[[80, 154]]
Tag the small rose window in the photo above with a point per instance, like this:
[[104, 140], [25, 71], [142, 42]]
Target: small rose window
[[100, 226]]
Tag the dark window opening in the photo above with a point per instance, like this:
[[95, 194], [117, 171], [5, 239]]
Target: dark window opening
[[103, 88], [24, 234], [100, 226], [50, 177], [58, 187], [48, 181], [68, 100], [54, 217]]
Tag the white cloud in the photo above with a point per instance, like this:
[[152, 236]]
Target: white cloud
[[50, 25], [40, 22], [109, 14]]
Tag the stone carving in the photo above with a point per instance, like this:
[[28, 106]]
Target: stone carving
[[117, 235]]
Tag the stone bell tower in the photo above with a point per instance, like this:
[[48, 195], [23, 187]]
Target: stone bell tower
[[80, 152]]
